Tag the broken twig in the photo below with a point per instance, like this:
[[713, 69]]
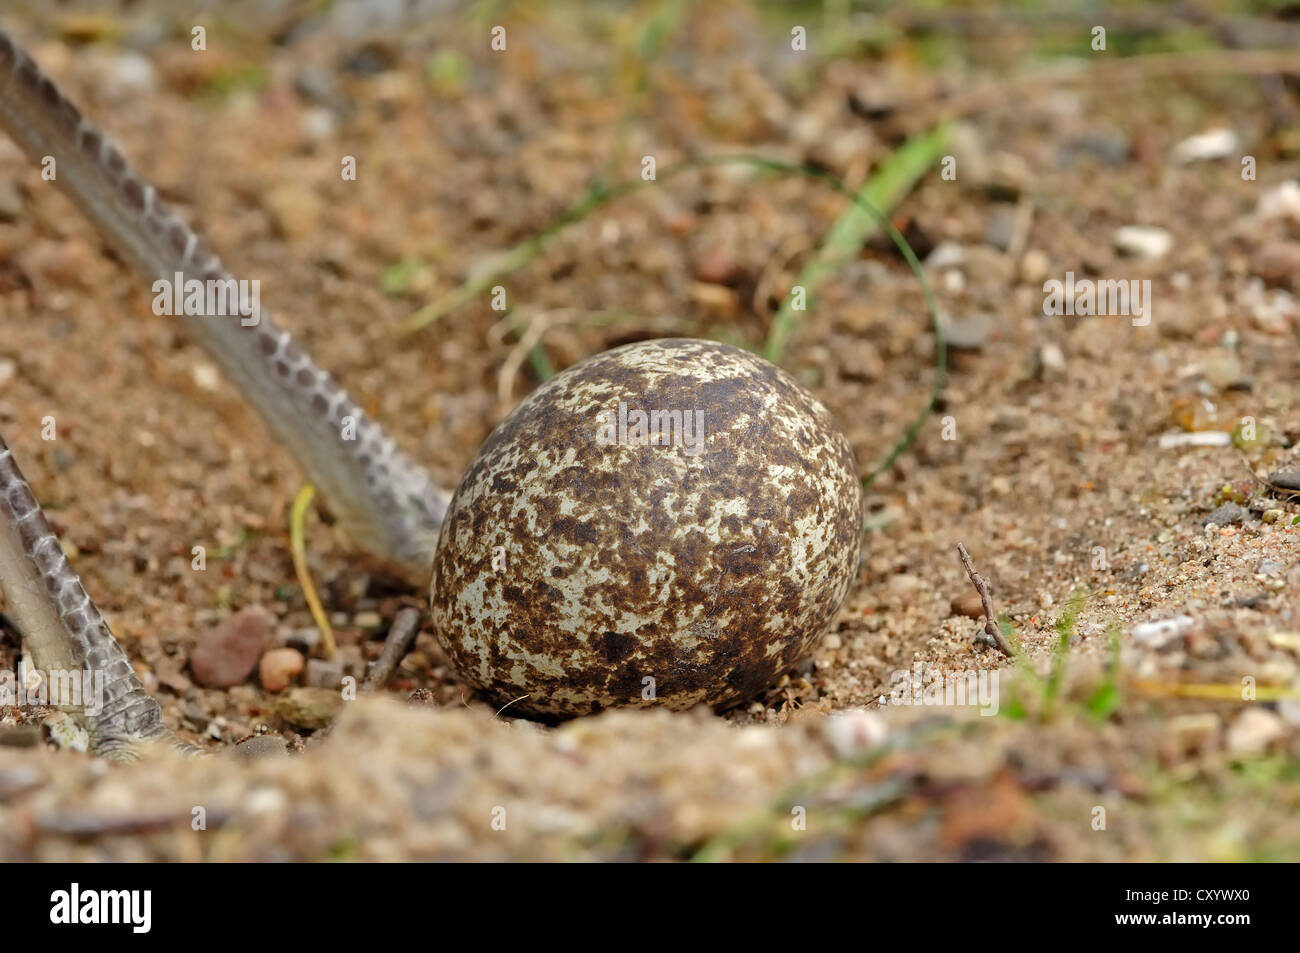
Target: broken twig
[[400, 639], [992, 634]]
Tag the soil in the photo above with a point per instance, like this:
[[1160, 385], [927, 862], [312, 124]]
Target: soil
[[1044, 455]]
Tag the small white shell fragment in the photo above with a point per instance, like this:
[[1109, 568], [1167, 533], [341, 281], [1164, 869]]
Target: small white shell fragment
[[854, 731], [1206, 146], [1143, 241], [206, 377], [1199, 438], [1280, 202], [1156, 634]]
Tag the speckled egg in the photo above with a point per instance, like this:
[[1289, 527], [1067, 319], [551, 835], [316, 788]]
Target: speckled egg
[[673, 522]]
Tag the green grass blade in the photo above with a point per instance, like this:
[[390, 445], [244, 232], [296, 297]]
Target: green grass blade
[[893, 180]]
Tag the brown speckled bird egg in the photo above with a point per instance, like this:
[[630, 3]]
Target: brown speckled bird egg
[[671, 523]]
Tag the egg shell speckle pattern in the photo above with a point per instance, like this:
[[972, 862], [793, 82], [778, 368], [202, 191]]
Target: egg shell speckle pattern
[[586, 570]]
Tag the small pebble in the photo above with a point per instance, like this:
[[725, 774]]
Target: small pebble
[[318, 124], [946, 254], [304, 640], [859, 360], [1227, 514], [970, 605], [854, 731], [1288, 478], [11, 200], [714, 265], [1278, 264], [227, 654], [295, 210], [1205, 147], [262, 746], [279, 667], [969, 333], [1281, 202], [1000, 228], [324, 673], [317, 85], [1224, 371], [1034, 266], [1110, 146], [1196, 731], [196, 715], [367, 620], [131, 76], [206, 377], [19, 779], [1158, 633], [19, 736], [1273, 515], [1253, 438], [1143, 241], [1009, 175], [1253, 731], [1052, 358], [309, 708]]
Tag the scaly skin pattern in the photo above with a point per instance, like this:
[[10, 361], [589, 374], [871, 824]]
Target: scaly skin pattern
[[571, 569], [385, 504], [63, 629]]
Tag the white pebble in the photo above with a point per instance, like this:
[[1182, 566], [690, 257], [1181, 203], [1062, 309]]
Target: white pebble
[[946, 255], [130, 74], [1289, 709], [1253, 731], [1280, 202], [1143, 241], [1215, 144], [318, 123], [265, 802], [206, 377], [854, 731], [1156, 634]]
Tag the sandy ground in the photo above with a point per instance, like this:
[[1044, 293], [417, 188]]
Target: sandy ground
[[1043, 457]]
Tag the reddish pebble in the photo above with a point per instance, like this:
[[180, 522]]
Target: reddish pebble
[[968, 605], [715, 266], [227, 653]]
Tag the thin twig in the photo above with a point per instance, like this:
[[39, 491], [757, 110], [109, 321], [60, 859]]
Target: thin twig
[[992, 631], [401, 636]]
